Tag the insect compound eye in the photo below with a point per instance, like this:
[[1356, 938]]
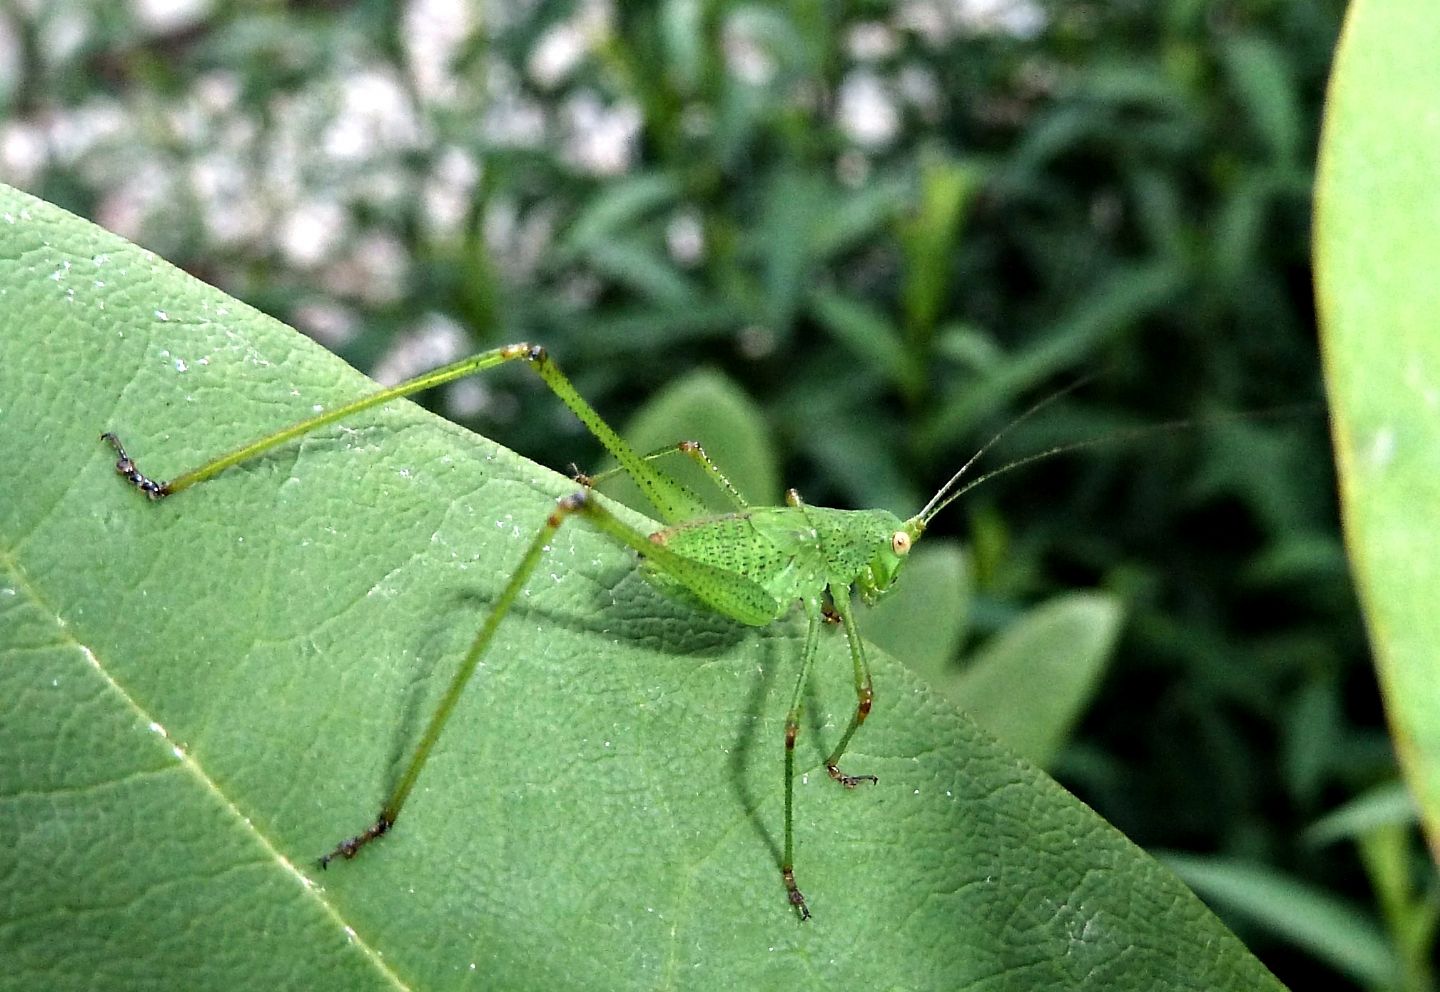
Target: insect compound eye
[[900, 542]]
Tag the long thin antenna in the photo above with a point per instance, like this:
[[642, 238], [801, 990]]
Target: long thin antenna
[[1113, 437], [936, 505]]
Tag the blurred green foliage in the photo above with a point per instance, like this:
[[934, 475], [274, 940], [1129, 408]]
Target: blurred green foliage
[[889, 227]]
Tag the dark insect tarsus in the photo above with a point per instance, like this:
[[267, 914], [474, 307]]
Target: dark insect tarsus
[[125, 465], [347, 849]]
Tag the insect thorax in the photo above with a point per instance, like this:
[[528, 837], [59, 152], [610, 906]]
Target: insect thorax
[[796, 552]]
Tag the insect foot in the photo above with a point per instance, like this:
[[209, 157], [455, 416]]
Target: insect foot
[[567, 505], [581, 478], [849, 781], [347, 849], [126, 467], [796, 898]]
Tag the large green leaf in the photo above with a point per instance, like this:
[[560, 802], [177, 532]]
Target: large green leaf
[[1377, 255], [1031, 682], [199, 696]]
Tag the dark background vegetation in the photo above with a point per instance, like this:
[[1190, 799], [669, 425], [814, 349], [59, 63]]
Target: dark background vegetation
[[892, 226]]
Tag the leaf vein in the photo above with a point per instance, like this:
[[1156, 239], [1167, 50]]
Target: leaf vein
[[192, 766]]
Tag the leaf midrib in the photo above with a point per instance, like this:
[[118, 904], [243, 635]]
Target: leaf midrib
[[192, 766]]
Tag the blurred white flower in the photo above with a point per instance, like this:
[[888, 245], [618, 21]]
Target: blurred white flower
[[918, 87], [62, 32], [375, 271], [77, 132], [375, 116], [448, 191], [433, 340], [685, 238], [867, 113], [23, 155], [217, 92], [1023, 19], [746, 55], [871, 41], [511, 119], [311, 232], [230, 205], [433, 32], [556, 55], [517, 242], [166, 16], [598, 138], [326, 321], [940, 21]]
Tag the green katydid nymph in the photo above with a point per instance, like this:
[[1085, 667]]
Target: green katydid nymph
[[755, 565]]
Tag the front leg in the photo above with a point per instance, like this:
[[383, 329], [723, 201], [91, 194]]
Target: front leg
[[864, 690]]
